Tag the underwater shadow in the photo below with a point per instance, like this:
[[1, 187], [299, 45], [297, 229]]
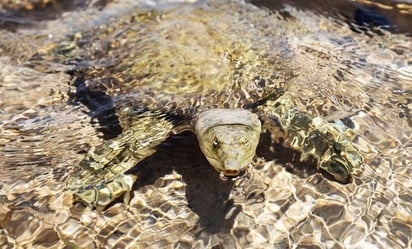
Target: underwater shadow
[[207, 194], [361, 17], [286, 157], [100, 105]]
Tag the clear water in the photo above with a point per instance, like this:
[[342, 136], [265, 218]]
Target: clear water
[[342, 70]]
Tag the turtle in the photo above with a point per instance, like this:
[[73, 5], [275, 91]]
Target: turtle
[[227, 95]]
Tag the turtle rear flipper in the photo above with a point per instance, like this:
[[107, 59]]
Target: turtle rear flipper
[[101, 176]]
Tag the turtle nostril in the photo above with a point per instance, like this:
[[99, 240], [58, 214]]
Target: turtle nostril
[[231, 172]]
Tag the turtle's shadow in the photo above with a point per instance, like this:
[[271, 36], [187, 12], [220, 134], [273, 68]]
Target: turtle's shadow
[[286, 157], [207, 194]]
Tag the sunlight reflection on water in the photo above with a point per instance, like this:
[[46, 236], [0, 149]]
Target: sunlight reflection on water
[[179, 200]]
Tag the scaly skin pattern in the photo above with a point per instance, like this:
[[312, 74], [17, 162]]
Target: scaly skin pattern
[[313, 137], [100, 177]]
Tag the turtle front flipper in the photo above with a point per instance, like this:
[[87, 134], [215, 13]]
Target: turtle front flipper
[[328, 143], [102, 175]]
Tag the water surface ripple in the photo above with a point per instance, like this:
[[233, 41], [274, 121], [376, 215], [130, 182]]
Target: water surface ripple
[[52, 113]]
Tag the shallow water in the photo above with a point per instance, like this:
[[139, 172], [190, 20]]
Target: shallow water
[[340, 71]]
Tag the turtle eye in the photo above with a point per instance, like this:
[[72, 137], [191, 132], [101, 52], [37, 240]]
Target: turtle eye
[[245, 142], [215, 142]]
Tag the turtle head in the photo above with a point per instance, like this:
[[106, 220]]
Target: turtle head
[[228, 138]]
